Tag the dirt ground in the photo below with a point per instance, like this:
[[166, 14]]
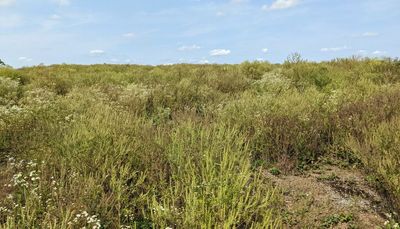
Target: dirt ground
[[330, 197]]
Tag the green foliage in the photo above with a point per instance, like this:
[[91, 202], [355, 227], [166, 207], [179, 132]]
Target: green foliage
[[255, 70], [391, 223], [379, 151], [334, 220], [294, 58], [330, 177], [186, 146], [211, 174], [274, 171]]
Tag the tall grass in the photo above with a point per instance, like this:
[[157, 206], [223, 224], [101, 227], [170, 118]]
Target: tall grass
[[211, 174], [380, 152], [185, 146]]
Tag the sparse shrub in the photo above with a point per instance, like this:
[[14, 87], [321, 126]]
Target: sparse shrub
[[62, 87], [334, 220], [275, 171], [254, 70], [294, 58], [9, 91]]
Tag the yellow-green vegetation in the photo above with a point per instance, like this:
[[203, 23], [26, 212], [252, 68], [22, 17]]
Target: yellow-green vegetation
[[333, 220], [187, 146], [380, 152]]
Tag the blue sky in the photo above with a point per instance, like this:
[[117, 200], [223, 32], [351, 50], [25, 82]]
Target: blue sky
[[195, 31]]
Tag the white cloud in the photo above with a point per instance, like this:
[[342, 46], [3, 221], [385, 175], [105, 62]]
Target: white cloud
[[368, 53], [6, 2], [265, 50], [129, 35], [280, 4], [238, 1], [62, 2], [370, 34], [55, 17], [204, 62], [97, 52], [220, 14], [189, 48], [377, 52], [26, 59], [334, 49], [366, 34], [220, 52], [182, 61]]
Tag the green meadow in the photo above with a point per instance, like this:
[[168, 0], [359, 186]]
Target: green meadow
[[194, 146]]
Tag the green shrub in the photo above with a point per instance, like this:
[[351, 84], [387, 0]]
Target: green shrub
[[255, 70], [379, 151], [212, 183]]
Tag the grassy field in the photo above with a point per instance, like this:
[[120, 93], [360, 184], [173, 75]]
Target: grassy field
[[190, 146]]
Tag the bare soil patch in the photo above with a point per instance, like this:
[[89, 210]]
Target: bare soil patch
[[330, 197]]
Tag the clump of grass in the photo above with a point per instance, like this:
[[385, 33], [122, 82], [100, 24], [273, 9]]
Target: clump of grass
[[334, 220], [275, 171], [212, 176], [330, 177]]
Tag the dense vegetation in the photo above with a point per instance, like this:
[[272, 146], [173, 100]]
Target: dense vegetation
[[187, 146]]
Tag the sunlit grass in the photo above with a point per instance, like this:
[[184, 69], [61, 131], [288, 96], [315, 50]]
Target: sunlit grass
[[185, 146]]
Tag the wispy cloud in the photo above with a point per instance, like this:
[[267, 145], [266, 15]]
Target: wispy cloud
[[364, 52], [62, 2], [189, 48], [370, 34], [55, 17], [220, 14], [97, 52], [220, 52], [239, 1], [378, 52], [25, 59], [129, 35], [51, 22], [280, 5], [334, 49], [10, 21], [6, 2], [365, 34], [204, 61], [264, 50]]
